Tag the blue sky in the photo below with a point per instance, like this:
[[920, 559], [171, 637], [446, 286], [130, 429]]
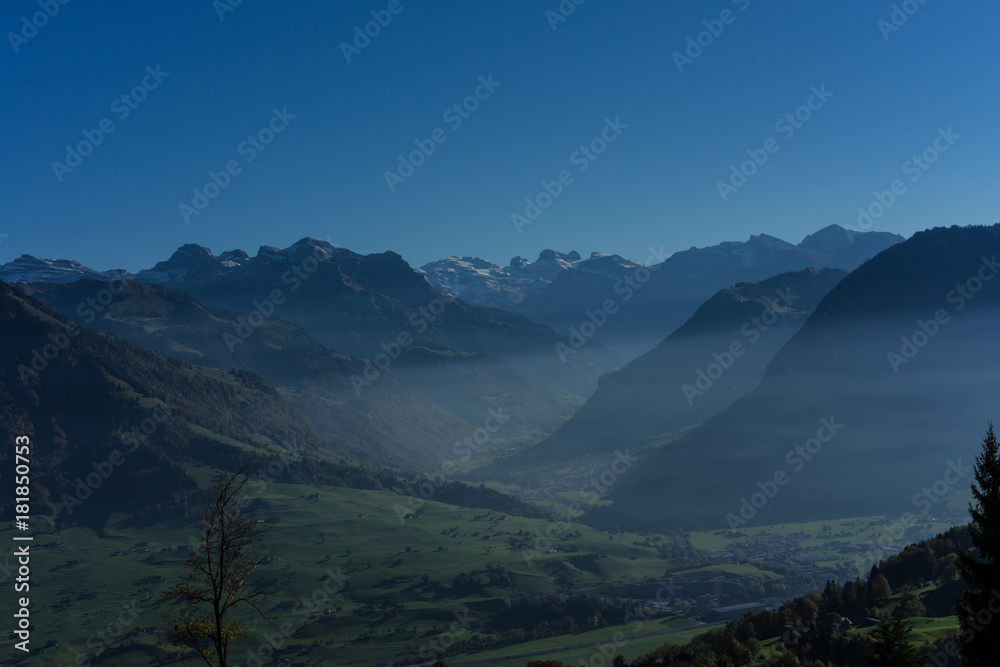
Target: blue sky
[[323, 175]]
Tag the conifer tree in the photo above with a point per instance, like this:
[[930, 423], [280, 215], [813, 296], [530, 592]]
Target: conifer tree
[[891, 646], [980, 566]]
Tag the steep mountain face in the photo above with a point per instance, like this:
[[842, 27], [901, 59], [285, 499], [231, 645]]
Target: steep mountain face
[[718, 355], [364, 306], [876, 405], [651, 305], [98, 408], [399, 419]]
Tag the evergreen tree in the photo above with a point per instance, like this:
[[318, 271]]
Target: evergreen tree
[[980, 566], [891, 646]]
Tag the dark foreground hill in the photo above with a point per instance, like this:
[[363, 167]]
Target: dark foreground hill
[[407, 416], [825, 627], [116, 428], [874, 406]]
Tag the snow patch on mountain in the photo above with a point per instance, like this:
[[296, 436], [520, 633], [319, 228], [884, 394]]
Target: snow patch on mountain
[[28, 269], [482, 283]]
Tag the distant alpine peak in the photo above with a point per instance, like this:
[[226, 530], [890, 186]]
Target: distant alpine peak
[[310, 245], [30, 269], [552, 255], [768, 242], [192, 250], [832, 238], [481, 282], [193, 263], [233, 258], [269, 253]]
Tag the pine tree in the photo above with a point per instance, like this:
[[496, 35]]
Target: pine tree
[[891, 646], [980, 566]]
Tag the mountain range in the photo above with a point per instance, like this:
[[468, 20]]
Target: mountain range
[[558, 289], [395, 371], [714, 358], [97, 404], [876, 404]]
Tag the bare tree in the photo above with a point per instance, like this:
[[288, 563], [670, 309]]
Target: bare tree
[[209, 606]]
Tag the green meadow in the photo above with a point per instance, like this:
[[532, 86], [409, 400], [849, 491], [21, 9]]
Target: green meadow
[[382, 584]]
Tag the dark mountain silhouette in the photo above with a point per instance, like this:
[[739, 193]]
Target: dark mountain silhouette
[[117, 427], [401, 419], [718, 355], [361, 304], [558, 290], [875, 405]]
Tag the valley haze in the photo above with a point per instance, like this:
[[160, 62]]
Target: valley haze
[[403, 334]]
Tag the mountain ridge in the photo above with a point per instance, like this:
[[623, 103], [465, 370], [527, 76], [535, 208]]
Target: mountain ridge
[[894, 369]]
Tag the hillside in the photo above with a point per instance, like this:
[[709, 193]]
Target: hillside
[[361, 304], [400, 418], [879, 395], [718, 355], [92, 402], [654, 296]]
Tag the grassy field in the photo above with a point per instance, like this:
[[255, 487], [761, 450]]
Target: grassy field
[[396, 601], [595, 647], [79, 585], [849, 545]]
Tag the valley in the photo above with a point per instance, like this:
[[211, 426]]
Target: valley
[[448, 496], [360, 582]]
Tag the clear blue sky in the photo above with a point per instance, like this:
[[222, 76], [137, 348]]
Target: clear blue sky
[[323, 174]]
